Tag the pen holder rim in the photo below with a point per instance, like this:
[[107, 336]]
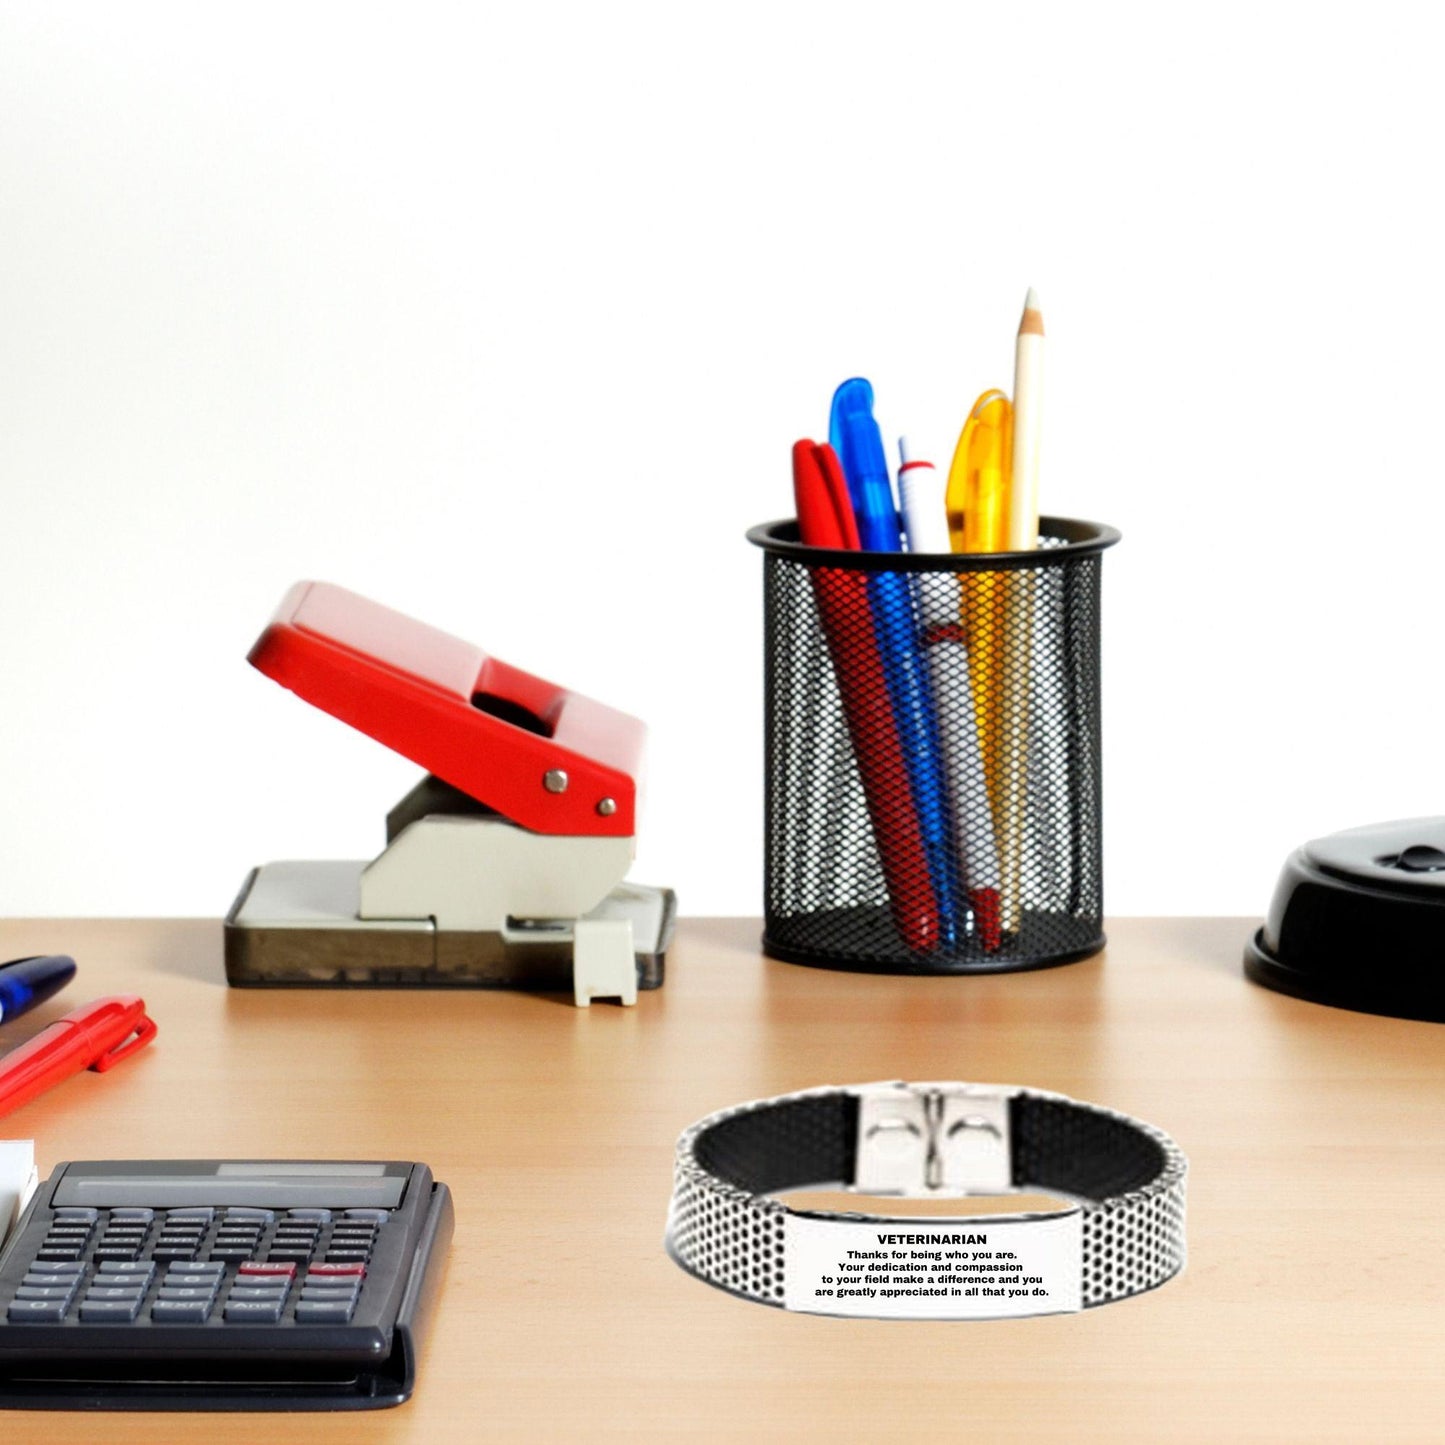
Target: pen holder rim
[[1074, 538]]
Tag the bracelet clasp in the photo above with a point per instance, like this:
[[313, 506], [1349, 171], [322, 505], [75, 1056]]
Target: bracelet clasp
[[932, 1140]]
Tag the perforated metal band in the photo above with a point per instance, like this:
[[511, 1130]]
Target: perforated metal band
[[1122, 1234]]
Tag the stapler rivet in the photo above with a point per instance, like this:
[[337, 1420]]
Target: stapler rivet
[[554, 780], [607, 807]]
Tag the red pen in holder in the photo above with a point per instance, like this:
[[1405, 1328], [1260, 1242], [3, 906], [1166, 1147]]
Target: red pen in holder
[[825, 519]]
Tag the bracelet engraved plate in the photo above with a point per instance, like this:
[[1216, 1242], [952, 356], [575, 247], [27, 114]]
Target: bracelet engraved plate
[[1120, 1233]]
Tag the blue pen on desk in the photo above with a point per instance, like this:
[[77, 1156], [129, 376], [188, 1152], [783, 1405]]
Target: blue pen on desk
[[859, 444], [25, 982]]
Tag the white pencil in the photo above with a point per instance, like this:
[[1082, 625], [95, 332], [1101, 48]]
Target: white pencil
[[1023, 536], [1023, 507]]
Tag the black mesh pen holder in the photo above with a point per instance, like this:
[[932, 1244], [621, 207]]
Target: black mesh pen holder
[[933, 755]]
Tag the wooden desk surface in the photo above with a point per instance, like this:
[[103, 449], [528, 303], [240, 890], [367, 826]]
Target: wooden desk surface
[[1313, 1307]]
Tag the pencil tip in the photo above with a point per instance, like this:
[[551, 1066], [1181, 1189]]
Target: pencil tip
[[1032, 322]]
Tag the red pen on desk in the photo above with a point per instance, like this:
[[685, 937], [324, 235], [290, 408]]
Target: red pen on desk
[[95, 1036], [825, 519]]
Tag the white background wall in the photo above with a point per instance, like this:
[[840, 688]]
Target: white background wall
[[508, 315]]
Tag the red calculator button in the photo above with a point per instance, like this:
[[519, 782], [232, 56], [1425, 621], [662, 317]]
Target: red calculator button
[[331, 1271]]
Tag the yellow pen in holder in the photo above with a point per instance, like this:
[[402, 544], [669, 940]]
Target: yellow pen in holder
[[978, 478], [996, 621]]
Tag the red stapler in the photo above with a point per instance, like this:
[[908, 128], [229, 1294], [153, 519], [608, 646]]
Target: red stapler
[[503, 867]]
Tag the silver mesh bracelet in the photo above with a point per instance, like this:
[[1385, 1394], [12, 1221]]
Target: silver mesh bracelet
[[1121, 1234]]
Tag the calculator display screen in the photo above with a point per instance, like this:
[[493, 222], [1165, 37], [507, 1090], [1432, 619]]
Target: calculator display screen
[[295, 1169], [280, 1183]]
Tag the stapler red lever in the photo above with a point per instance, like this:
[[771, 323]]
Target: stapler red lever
[[504, 866]]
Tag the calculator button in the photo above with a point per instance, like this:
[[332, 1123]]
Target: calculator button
[[183, 1230], [112, 1252], [130, 1216], [186, 1291], [169, 1253], [196, 1268], [42, 1311], [373, 1216], [250, 1216], [134, 1267], [70, 1212], [335, 1271], [265, 1312], [57, 1252], [289, 1253], [110, 1310], [116, 1291], [181, 1312], [231, 1252], [259, 1289], [264, 1268], [331, 1292], [324, 1312], [54, 1267], [45, 1291], [316, 1216], [344, 1256], [203, 1213]]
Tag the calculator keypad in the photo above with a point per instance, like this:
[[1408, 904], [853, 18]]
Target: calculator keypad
[[195, 1266]]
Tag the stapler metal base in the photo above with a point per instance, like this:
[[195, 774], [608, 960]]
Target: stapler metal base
[[298, 924]]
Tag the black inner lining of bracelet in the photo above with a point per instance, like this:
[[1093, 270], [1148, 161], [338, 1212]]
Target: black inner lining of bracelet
[[784, 1146], [810, 1142]]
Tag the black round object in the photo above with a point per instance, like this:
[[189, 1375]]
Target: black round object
[[1358, 922]]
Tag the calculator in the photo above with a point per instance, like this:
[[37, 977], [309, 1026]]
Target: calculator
[[238, 1284]]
